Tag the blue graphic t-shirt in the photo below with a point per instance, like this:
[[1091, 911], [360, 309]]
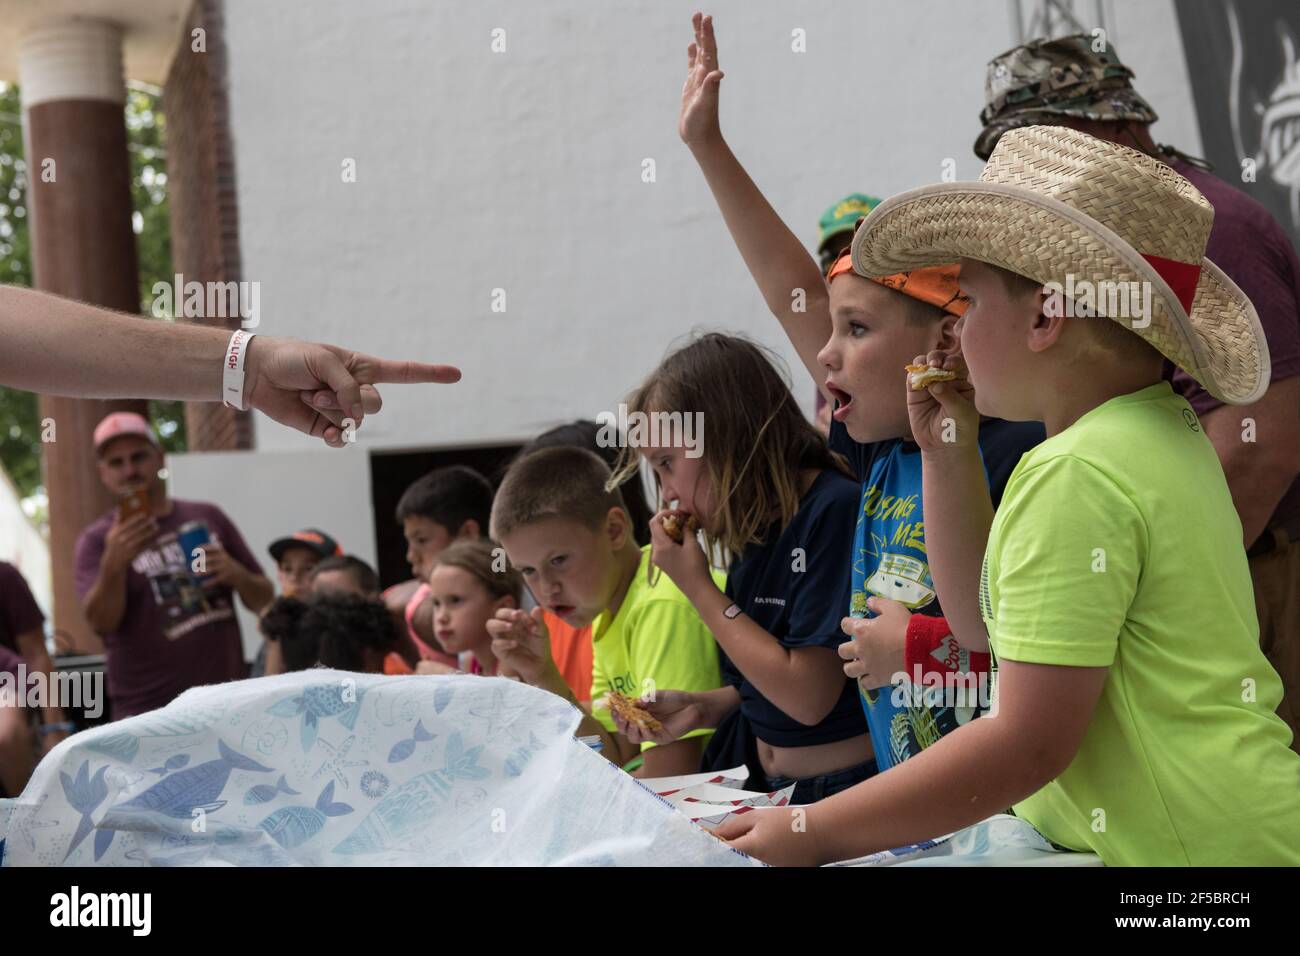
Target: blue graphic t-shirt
[[889, 561], [889, 542]]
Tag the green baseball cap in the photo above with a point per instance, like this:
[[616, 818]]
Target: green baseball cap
[[1040, 81], [842, 216]]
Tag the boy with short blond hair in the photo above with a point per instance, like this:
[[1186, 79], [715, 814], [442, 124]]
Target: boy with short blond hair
[[1134, 707], [571, 539]]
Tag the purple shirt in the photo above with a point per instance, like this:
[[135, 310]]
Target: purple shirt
[[1248, 244], [9, 661], [19, 613], [174, 634]]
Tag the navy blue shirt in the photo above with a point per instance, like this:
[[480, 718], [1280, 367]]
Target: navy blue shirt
[[794, 586]]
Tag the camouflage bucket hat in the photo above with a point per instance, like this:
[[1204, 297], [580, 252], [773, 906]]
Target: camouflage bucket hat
[[1039, 81]]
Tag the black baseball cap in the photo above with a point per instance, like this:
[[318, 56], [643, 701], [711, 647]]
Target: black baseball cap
[[310, 538]]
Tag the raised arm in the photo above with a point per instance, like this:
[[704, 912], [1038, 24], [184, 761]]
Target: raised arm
[[955, 493], [789, 279]]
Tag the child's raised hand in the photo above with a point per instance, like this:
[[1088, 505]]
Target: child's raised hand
[[698, 123], [521, 642], [878, 645], [943, 416], [684, 562]]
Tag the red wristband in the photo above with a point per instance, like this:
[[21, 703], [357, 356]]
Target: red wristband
[[931, 647]]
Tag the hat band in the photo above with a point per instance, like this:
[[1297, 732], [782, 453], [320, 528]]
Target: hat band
[[1181, 277]]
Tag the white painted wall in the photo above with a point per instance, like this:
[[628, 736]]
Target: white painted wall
[[522, 171], [269, 495]]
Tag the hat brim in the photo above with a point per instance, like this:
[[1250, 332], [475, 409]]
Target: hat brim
[[1121, 104], [1220, 343], [151, 439], [281, 545]]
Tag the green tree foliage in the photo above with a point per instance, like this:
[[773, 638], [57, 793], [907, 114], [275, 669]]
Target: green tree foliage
[[20, 431]]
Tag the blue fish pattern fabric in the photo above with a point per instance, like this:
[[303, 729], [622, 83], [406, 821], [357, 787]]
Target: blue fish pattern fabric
[[328, 768], [404, 748], [264, 792]]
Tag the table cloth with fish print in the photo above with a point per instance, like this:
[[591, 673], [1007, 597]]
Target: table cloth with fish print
[[331, 768]]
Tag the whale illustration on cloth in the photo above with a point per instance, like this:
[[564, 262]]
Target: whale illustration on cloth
[[180, 794]]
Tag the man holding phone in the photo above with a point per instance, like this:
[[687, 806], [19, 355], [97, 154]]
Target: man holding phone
[[157, 578]]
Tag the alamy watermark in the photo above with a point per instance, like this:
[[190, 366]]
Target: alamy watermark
[[76, 690], [1083, 298], [208, 300], [652, 430], [74, 908], [941, 689]]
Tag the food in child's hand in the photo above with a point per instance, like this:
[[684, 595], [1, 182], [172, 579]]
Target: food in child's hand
[[923, 376], [630, 711], [677, 529]]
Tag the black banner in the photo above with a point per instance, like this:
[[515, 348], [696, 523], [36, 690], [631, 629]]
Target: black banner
[[1241, 55]]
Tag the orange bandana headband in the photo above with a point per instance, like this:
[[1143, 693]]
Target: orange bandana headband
[[934, 285]]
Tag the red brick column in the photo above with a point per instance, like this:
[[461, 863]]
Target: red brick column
[[201, 193]]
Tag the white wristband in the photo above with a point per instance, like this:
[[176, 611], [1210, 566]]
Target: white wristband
[[232, 370]]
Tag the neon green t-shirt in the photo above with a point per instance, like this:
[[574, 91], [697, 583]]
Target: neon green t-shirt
[[657, 640], [1117, 545]]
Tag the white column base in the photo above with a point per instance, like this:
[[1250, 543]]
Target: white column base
[[72, 60]]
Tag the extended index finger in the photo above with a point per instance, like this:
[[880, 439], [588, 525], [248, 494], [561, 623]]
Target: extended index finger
[[371, 370]]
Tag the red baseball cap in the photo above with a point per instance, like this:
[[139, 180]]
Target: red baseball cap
[[118, 424]]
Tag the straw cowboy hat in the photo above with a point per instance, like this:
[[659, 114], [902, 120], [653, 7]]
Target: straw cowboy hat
[[1053, 202]]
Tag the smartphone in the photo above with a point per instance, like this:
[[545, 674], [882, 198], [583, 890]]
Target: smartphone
[[134, 502]]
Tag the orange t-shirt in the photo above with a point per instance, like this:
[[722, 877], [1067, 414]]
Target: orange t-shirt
[[393, 664], [571, 650]]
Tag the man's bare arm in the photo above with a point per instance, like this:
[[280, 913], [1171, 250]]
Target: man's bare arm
[[58, 346], [1261, 469]]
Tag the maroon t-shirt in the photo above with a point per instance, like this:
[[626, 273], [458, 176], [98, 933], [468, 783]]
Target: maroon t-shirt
[[19, 612], [174, 634], [1247, 243], [9, 661]]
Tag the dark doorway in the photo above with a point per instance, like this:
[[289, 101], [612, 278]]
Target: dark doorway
[[392, 472]]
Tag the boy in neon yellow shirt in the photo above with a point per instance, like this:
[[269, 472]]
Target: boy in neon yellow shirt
[[1133, 711], [572, 542]]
